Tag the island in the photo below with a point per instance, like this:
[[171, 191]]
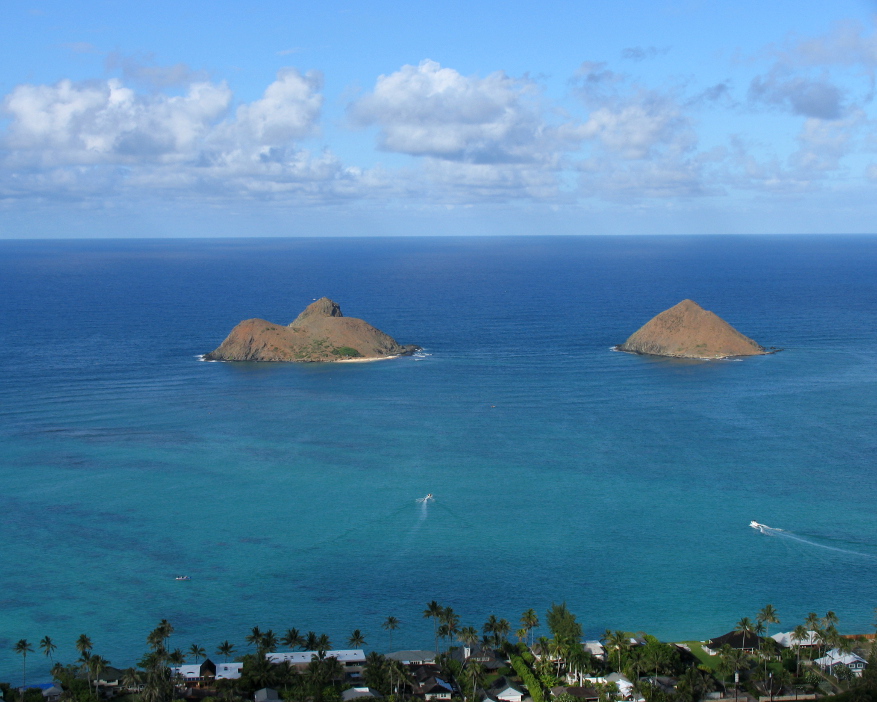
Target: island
[[687, 330], [319, 334]]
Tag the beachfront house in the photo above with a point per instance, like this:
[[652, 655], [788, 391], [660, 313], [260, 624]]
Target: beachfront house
[[195, 672], [353, 660], [484, 655], [787, 639], [735, 639], [596, 649], [836, 657], [413, 658], [229, 671]]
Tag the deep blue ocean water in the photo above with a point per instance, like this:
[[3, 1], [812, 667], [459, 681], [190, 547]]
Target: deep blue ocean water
[[562, 470]]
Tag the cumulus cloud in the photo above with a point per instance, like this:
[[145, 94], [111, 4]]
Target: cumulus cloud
[[428, 110], [104, 121], [81, 137]]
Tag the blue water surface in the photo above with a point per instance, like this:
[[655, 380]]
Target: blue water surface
[[563, 471]]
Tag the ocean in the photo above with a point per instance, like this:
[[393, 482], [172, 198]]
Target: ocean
[[562, 471]]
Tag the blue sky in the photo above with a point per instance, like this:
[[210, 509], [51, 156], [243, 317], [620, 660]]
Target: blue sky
[[383, 118]]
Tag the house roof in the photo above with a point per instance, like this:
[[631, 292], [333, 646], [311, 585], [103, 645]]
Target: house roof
[[787, 639], [265, 694], [412, 656], [501, 684], [356, 693], [355, 655], [736, 639], [835, 656]]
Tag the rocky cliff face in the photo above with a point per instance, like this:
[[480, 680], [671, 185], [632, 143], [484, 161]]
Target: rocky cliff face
[[687, 330], [319, 333]]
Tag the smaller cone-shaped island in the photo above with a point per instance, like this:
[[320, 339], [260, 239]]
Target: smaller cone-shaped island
[[319, 334], [687, 330]]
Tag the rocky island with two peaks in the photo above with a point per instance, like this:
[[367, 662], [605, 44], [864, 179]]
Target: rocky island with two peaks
[[319, 334], [687, 330]]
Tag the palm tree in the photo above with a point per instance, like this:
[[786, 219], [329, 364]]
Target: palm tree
[[225, 649], [468, 635], [292, 638], [830, 619], [768, 615], [96, 666], [502, 630], [48, 647], [254, 638], [310, 643], [474, 673], [269, 642], [196, 652], [489, 629], [391, 624], [357, 639], [433, 611], [744, 626], [323, 643], [84, 646], [23, 648], [131, 679], [530, 620], [521, 634], [799, 634], [617, 640]]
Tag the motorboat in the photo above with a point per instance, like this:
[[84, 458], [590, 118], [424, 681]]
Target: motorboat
[[182, 577]]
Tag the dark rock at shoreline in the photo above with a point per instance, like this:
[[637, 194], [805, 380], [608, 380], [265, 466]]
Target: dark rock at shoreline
[[687, 330], [319, 333]]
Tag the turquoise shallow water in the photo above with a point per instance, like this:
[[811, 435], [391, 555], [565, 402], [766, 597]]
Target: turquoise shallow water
[[562, 470]]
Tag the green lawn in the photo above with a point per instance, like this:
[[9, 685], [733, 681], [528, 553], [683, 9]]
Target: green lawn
[[697, 649]]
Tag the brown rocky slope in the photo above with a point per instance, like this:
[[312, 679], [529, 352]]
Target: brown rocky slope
[[687, 330], [320, 333]]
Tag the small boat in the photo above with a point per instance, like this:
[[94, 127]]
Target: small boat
[[428, 498], [182, 577], [756, 525]]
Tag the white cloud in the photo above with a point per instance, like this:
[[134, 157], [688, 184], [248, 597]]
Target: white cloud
[[78, 138], [427, 110]]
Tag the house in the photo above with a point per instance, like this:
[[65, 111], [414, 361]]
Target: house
[[836, 657], [747, 641], [432, 688], [787, 639], [488, 657], [504, 690], [52, 694], [196, 672], [621, 683], [360, 693], [229, 671], [595, 648], [412, 658], [351, 659], [266, 694]]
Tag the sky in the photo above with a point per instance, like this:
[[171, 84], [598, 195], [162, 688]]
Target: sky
[[286, 118]]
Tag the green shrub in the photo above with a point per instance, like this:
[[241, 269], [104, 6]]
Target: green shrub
[[346, 351]]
